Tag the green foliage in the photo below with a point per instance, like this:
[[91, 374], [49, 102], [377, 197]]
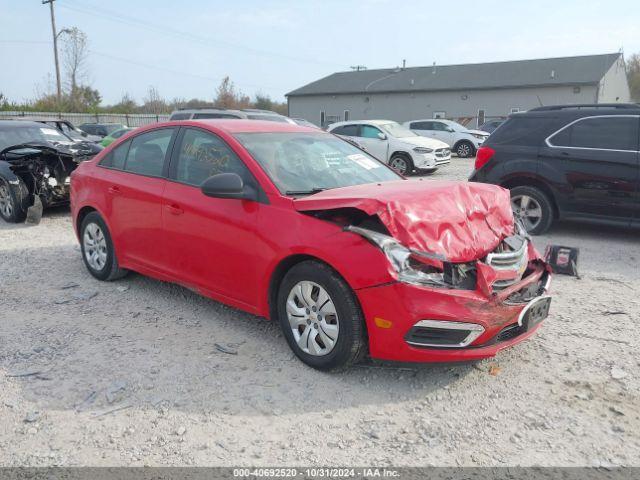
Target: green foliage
[[633, 76]]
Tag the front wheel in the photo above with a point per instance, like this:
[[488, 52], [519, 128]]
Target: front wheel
[[320, 317], [401, 164], [465, 150], [98, 253], [13, 201], [532, 207]]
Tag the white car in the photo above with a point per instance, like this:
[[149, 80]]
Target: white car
[[395, 145], [462, 141]]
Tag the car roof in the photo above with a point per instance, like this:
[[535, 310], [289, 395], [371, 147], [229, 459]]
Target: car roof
[[358, 122], [102, 123], [580, 110], [20, 124], [39, 119], [239, 125]]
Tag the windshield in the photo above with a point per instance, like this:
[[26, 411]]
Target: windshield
[[396, 130], [10, 136], [301, 163], [456, 126], [70, 132]]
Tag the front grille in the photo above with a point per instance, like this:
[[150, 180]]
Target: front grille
[[442, 152], [509, 256]]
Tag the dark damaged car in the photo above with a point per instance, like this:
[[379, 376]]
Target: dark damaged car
[[299, 226], [36, 162]]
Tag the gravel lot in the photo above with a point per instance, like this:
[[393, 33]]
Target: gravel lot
[[128, 373]]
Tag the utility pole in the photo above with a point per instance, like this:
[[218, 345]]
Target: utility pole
[[55, 48]]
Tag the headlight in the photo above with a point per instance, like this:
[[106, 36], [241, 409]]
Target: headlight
[[404, 261], [423, 150], [478, 136]]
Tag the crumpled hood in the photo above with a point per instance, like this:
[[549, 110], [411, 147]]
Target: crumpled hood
[[424, 142], [457, 221]]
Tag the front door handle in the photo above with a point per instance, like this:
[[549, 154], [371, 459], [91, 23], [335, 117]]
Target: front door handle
[[175, 209], [114, 190]]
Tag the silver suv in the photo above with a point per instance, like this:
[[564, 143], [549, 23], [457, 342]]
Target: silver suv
[[247, 113]]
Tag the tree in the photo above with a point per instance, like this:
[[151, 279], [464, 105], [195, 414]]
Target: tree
[[263, 102], [633, 76], [153, 102], [74, 57], [226, 96], [125, 105]]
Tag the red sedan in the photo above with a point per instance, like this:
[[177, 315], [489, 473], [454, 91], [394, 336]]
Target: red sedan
[[299, 226]]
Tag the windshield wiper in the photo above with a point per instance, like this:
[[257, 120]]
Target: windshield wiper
[[305, 192]]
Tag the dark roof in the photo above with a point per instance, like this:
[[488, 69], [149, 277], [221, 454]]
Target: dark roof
[[521, 73]]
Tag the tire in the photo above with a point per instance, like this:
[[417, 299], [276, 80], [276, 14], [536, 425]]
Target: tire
[[465, 149], [401, 163], [95, 237], [538, 205], [14, 201], [299, 293]]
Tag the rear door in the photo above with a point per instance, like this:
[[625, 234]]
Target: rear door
[[598, 159], [133, 181], [211, 242]]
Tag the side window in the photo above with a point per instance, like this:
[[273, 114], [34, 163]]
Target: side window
[[117, 157], [148, 151], [180, 116], [421, 126], [609, 133], [369, 132], [348, 130], [202, 155], [441, 127]]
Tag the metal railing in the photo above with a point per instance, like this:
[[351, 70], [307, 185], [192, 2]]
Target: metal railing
[[128, 119]]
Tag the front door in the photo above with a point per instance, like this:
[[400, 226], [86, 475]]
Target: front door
[[134, 182], [370, 137], [211, 242], [598, 158]]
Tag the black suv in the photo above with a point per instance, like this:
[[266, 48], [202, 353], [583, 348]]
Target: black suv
[[578, 162]]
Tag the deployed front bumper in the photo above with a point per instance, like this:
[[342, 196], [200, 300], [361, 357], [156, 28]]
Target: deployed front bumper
[[392, 312]]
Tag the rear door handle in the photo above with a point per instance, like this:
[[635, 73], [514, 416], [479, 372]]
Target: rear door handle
[[114, 190], [174, 209]]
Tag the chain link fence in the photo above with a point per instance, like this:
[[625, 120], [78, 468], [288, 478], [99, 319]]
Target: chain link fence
[[128, 119]]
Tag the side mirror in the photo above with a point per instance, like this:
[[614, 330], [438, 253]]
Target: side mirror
[[84, 134], [450, 130], [227, 185], [382, 136]]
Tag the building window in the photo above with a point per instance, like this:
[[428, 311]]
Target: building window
[[481, 116], [515, 109], [346, 115], [439, 114], [322, 118]]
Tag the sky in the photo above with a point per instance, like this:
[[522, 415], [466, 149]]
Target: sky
[[184, 48]]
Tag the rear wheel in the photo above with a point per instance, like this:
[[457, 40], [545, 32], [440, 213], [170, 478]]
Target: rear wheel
[[98, 253], [401, 163], [320, 317], [13, 201], [532, 207]]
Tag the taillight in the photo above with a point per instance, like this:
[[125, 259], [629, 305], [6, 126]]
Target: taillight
[[483, 155]]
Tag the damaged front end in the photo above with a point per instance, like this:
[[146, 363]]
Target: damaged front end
[[40, 175], [494, 275]]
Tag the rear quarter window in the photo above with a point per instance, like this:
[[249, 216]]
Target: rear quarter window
[[524, 131]]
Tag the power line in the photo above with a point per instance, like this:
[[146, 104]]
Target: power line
[[165, 30], [182, 73]]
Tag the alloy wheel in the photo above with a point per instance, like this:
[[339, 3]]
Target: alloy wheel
[[313, 318], [6, 204], [528, 210], [95, 246], [399, 164], [463, 150]]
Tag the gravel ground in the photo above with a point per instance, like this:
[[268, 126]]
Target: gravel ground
[[129, 373]]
